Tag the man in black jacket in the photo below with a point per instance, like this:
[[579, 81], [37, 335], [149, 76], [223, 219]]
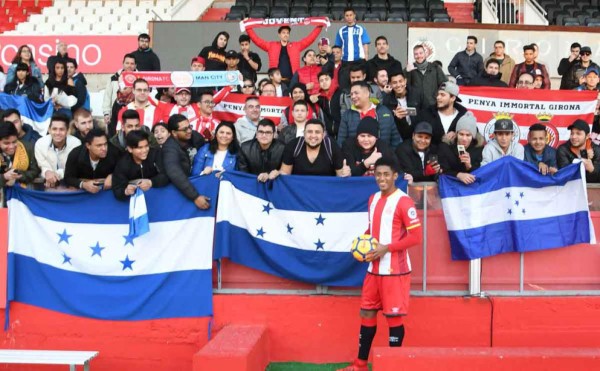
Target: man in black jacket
[[419, 156], [396, 101], [178, 152], [566, 63], [491, 76], [140, 167], [262, 155], [90, 166], [579, 148], [145, 57], [466, 64], [81, 92], [61, 54], [382, 59]]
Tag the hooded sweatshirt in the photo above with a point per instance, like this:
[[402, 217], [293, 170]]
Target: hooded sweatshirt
[[492, 151], [215, 56]]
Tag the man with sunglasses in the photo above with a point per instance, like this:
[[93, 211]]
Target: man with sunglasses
[[584, 63], [178, 153]]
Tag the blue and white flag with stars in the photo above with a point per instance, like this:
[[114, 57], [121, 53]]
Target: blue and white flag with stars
[[297, 227], [139, 223], [72, 252], [511, 207]]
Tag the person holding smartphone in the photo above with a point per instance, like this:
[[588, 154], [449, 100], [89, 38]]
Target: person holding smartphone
[[419, 156], [460, 158]]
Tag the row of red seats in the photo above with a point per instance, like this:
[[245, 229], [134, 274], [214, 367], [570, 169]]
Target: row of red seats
[[25, 3], [14, 12]]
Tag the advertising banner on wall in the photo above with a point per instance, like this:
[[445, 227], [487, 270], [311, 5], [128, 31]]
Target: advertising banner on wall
[[94, 54]]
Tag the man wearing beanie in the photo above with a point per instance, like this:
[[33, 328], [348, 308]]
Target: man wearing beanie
[[503, 144], [579, 147], [538, 152], [363, 150], [463, 156]]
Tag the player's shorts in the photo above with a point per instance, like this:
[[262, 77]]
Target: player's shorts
[[389, 294]]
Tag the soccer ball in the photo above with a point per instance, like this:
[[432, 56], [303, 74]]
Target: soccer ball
[[362, 245]]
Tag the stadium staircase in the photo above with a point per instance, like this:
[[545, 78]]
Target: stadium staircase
[[461, 12], [82, 17]]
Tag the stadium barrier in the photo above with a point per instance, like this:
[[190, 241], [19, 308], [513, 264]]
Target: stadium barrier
[[557, 272]]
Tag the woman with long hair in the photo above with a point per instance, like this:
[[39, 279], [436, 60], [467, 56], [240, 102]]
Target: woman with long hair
[[220, 154], [24, 55], [24, 85], [60, 88]]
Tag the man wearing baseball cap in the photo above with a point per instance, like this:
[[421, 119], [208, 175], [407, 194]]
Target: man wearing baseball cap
[[446, 112], [591, 79], [419, 156], [579, 147], [183, 106], [503, 144], [231, 60], [197, 65], [585, 62]]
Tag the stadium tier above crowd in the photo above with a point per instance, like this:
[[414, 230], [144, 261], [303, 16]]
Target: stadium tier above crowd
[[351, 103]]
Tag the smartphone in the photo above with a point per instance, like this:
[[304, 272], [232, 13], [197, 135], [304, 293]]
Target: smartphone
[[19, 172], [461, 149], [99, 182], [433, 158], [412, 111], [583, 153]]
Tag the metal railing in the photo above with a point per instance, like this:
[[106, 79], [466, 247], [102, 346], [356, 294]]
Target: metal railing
[[427, 200]]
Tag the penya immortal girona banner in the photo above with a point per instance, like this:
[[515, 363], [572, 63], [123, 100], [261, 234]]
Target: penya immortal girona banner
[[557, 109]]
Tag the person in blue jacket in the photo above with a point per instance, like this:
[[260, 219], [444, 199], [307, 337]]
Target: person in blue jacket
[[220, 154]]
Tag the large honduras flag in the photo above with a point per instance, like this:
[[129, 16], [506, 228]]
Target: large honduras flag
[[35, 114], [297, 227], [513, 208], [71, 252]]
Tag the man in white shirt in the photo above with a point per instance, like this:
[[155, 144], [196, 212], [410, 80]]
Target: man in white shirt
[[444, 115], [52, 150]]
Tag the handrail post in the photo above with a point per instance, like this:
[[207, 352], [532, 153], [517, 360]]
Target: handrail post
[[424, 238]]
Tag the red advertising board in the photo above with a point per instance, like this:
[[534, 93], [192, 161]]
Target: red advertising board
[[94, 54]]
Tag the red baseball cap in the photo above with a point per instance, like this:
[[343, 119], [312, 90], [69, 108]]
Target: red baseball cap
[[179, 90], [199, 60]]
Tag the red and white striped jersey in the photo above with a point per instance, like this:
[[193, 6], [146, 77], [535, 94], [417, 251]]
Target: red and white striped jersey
[[389, 220], [191, 111], [148, 114]]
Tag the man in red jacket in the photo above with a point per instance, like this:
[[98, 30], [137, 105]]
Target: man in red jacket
[[284, 54]]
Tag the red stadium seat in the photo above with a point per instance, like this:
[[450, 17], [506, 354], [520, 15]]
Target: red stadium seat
[[44, 3], [27, 3], [18, 18]]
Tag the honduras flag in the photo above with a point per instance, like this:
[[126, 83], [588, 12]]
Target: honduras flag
[[37, 115], [139, 223], [513, 208], [296, 227], [72, 253]]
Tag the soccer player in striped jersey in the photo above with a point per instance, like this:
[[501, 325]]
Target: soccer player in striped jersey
[[393, 221]]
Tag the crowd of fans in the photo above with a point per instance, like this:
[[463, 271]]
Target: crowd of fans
[[347, 111]]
